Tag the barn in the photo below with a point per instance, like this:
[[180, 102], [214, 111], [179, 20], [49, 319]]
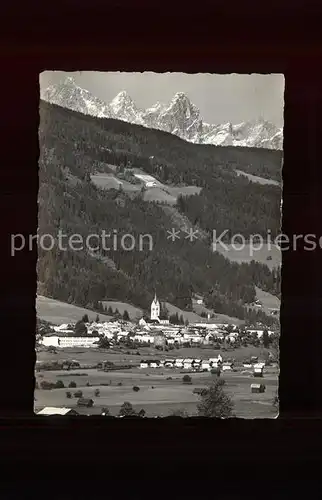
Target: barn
[[257, 388], [85, 402], [258, 369]]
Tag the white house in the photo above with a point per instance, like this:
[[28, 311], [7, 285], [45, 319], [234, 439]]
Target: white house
[[214, 362], [122, 335], [207, 339], [259, 332], [149, 339], [51, 411], [209, 326], [144, 364], [196, 364], [198, 299], [259, 365], [63, 328], [148, 180], [164, 322], [68, 341], [195, 338], [258, 369], [205, 365]]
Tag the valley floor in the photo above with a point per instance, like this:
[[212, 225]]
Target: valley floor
[[161, 390]]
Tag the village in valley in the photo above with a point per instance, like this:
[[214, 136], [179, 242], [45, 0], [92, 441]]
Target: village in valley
[[153, 367], [159, 267]]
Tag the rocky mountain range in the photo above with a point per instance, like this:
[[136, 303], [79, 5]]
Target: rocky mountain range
[[180, 117]]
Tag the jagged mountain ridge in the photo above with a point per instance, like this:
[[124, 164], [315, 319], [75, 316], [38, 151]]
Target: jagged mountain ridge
[[179, 117]]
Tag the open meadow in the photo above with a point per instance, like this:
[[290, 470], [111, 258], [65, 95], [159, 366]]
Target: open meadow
[[256, 178], [162, 390], [119, 356], [57, 312], [158, 193], [268, 254], [268, 300]]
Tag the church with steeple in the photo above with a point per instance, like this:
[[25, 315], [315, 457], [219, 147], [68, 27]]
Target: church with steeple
[[157, 313], [155, 309]]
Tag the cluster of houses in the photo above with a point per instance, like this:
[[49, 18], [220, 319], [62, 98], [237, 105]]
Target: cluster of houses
[[200, 365], [155, 335], [185, 364], [153, 331], [195, 334]]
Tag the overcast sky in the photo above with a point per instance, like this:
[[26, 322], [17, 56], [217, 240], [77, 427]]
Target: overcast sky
[[220, 98]]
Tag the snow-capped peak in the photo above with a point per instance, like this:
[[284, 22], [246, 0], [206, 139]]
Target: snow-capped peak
[[180, 117], [156, 107], [124, 108], [69, 81], [69, 95], [182, 101], [121, 99], [180, 96]]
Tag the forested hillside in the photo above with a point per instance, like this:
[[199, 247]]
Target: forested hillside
[[73, 146]]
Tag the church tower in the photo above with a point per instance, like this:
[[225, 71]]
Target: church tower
[[155, 308]]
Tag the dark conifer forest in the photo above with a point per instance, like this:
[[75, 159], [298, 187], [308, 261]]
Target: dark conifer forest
[[74, 146]]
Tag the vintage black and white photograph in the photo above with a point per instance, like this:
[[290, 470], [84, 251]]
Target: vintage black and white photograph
[[159, 244]]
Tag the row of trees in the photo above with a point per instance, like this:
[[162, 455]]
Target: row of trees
[[110, 312], [175, 319]]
